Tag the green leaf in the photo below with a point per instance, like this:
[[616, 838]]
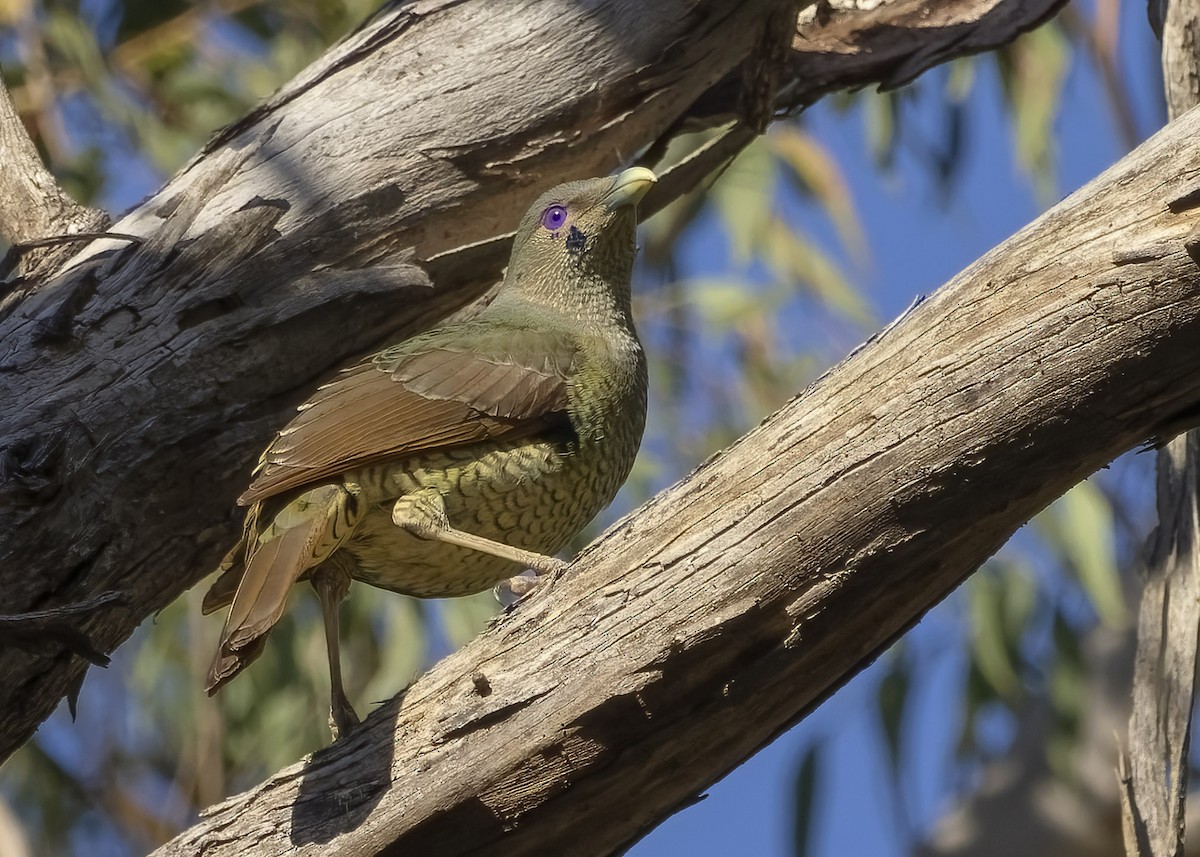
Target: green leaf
[[881, 115], [403, 645], [74, 41], [989, 636], [814, 171], [961, 79], [796, 261], [1069, 690], [723, 302], [139, 16], [804, 799], [1080, 524], [1034, 70], [892, 698], [742, 197]]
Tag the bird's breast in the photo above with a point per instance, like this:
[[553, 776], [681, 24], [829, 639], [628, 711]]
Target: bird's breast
[[534, 495]]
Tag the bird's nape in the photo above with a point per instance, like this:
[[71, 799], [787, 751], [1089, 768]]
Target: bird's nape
[[453, 460]]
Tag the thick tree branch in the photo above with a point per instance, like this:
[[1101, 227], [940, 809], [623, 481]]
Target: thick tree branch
[[701, 626], [835, 41], [141, 383], [1155, 780]]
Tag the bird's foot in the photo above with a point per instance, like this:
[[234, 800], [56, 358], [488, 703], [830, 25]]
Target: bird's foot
[[512, 592], [343, 720], [423, 513], [523, 584]]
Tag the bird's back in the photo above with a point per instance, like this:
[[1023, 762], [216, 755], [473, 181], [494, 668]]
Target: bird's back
[[536, 492]]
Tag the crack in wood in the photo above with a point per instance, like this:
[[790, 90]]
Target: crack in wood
[[462, 722]]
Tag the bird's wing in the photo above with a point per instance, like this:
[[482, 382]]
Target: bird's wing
[[431, 393]]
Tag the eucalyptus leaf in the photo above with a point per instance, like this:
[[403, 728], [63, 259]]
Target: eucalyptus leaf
[[804, 799]]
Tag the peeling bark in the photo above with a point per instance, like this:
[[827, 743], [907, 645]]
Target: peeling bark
[[369, 199], [731, 604], [33, 205], [1155, 777]]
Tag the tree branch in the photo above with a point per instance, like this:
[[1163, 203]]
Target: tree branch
[[846, 45], [1155, 779], [703, 625], [141, 382], [32, 204]]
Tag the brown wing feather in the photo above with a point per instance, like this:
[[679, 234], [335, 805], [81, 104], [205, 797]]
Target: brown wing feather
[[274, 561], [258, 604], [403, 404]]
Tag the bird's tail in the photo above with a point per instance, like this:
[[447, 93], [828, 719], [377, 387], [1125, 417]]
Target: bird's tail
[[232, 567], [304, 533]]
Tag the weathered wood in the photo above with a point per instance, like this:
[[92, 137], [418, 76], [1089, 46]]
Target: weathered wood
[[729, 605], [1165, 667], [849, 43], [32, 203], [140, 384], [1155, 778]]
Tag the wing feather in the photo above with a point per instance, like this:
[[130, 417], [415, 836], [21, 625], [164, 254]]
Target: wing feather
[[433, 397]]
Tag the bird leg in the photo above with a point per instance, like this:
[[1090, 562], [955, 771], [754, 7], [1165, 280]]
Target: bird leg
[[331, 580], [515, 590], [423, 513]]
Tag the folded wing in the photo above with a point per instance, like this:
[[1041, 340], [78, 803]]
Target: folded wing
[[423, 395]]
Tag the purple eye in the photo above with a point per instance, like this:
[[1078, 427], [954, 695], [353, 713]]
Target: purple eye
[[554, 217]]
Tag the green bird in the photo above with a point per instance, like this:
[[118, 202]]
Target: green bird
[[458, 458]]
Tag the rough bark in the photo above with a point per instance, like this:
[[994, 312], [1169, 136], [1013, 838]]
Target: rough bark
[[1154, 779], [732, 603], [32, 204], [141, 382]]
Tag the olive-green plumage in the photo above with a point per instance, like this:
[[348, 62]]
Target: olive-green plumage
[[450, 462]]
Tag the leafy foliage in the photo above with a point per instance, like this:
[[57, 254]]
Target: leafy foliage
[[119, 93]]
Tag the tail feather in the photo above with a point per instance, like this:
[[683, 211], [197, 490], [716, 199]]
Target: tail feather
[[226, 666], [221, 593], [232, 567], [299, 537]]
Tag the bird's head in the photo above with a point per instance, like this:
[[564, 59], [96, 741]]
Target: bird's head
[[579, 238]]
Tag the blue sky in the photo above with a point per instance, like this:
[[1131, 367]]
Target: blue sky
[[918, 239]]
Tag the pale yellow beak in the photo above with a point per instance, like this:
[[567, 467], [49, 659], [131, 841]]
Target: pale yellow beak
[[629, 187]]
